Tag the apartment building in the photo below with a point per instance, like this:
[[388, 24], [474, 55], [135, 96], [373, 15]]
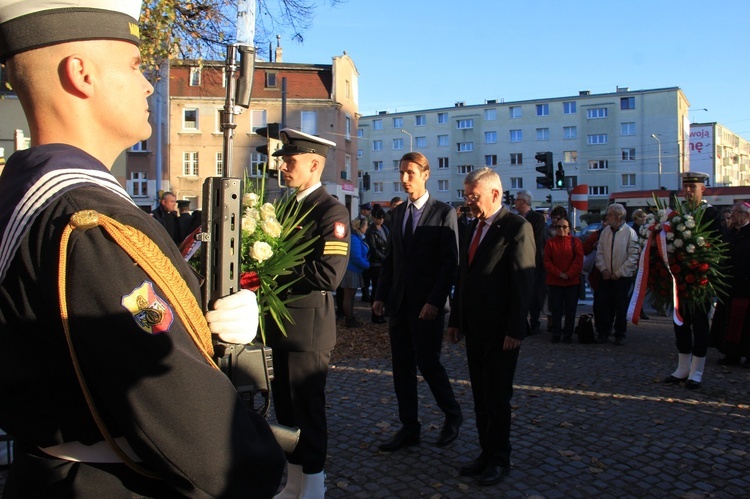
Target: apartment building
[[624, 140], [721, 153], [188, 106]]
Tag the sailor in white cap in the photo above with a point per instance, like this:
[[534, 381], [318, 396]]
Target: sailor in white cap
[[300, 359], [106, 376]]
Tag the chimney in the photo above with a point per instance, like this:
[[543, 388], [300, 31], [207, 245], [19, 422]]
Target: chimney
[[584, 92], [279, 50]]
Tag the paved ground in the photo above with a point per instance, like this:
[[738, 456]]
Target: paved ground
[[589, 421]]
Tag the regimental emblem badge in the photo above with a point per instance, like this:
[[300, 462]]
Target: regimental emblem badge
[[339, 230], [151, 312]]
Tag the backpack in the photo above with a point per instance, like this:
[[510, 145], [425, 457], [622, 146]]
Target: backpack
[[585, 329]]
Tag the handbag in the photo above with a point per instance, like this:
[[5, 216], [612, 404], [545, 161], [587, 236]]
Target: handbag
[[585, 329]]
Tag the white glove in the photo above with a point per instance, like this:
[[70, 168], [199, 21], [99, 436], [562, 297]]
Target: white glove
[[234, 318]]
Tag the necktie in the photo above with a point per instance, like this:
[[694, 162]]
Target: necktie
[[475, 241], [409, 229]]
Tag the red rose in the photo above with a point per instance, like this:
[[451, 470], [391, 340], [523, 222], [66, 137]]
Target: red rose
[[681, 256], [250, 280], [675, 268], [693, 264], [690, 278], [703, 267], [663, 272], [703, 282]]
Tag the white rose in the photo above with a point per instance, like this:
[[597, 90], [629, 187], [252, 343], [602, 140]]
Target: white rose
[[677, 243], [687, 234], [670, 236], [700, 241], [272, 227], [260, 251], [249, 200], [690, 248], [690, 224], [675, 220], [249, 224], [670, 248], [681, 227], [252, 213], [267, 211]]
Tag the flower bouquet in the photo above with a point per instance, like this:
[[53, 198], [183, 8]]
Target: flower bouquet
[[682, 260], [273, 242]]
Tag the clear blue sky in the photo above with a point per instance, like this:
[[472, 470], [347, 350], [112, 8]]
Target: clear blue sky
[[424, 54]]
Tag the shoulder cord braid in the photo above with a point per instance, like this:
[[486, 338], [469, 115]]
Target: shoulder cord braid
[[160, 269]]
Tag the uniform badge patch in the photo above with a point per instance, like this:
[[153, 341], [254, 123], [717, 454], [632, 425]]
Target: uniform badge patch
[[151, 312], [339, 230]]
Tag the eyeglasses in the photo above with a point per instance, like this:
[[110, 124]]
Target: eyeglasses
[[561, 226], [472, 197]]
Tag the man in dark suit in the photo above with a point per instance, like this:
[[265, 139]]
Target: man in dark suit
[[166, 215], [300, 359], [417, 276], [495, 281], [523, 207]]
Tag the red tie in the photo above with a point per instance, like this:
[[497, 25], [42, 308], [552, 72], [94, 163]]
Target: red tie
[[475, 241]]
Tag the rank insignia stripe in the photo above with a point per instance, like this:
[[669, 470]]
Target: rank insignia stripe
[[339, 230], [336, 248], [150, 311]]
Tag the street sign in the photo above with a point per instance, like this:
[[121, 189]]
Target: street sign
[[579, 197]]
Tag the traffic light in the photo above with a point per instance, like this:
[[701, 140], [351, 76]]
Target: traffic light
[[560, 176], [366, 181], [549, 199], [548, 180], [273, 143], [506, 197]]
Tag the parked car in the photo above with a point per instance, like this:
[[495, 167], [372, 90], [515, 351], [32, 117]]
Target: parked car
[[586, 231]]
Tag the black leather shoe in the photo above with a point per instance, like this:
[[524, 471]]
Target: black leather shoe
[[449, 432], [401, 439], [671, 380], [493, 474], [728, 361], [474, 468], [619, 341], [603, 340], [692, 385]]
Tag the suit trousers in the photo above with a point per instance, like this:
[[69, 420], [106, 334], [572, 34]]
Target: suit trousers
[[692, 336], [298, 390], [417, 343], [563, 301], [491, 370], [611, 306]]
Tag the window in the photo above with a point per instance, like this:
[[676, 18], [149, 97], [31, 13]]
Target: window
[[598, 190], [377, 166], [398, 122], [628, 179], [490, 137], [597, 138], [628, 154], [443, 163], [398, 187], [360, 153], [348, 131], [542, 109], [443, 141], [377, 187], [396, 164], [309, 122], [420, 142], [516, 158], [420, 120], [257, 162], [627, 103], [271, 79], [542, 134], [360, 132], [516, 135], [219, 164], [515, 111], [627, 128], [598, 164], [140, 146], [195, 77], [257, 118], [570, 156], [569, 107], [465, 146], [460, 193], [596, 113], [443, 185], [465, 169], [139, 183], [190, 164], [465, 123], [570, 132], [398, 144], [442, 118], [190, 119], [377, 124], [490, 114], [516, 182], [377, 145], [490, 160]]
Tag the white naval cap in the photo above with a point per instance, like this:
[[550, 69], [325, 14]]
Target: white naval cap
[[296, 142], [32, 24]]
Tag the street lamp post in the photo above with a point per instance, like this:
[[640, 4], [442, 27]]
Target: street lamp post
[[653, 136], [411, 140]]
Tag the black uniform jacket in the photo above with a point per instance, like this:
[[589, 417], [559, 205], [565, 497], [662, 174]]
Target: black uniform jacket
[[314, 327], [151, 385]]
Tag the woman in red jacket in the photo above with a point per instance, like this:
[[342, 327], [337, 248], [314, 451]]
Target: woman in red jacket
[[563, 262]]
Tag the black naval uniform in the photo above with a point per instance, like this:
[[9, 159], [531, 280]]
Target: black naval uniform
[[300, 359], [149, 382]]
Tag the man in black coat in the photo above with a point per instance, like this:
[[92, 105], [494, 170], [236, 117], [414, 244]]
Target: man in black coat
[[496, 275], [417, 276], [166, 215], [539, 292], [300, 359]]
